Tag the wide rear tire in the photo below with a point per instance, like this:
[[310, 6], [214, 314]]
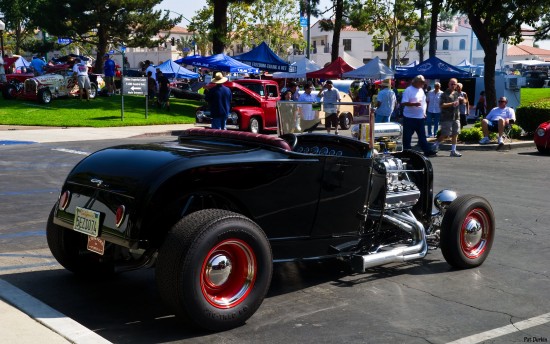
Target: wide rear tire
[[214, 269], [467, 231], [69, 249]]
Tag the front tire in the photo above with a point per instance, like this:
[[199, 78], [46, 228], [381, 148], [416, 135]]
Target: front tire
[[214, 269], [543, 150], [467, 231], [45, 96], [345, 121], [255, 125]]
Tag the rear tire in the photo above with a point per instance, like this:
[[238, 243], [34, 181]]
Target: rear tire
[[345, 121], [467, 231], [69, 249], [214, 269], [93, 91], [9, 92]]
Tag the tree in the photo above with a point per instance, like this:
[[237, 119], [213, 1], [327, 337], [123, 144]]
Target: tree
[[390, 23], [422, 28], [494, 21], [17, 17], [436, 9], [219, 25], [104, 22]]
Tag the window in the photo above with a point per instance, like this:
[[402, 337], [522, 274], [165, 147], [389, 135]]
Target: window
[[347, 44], [240, 48], [272, 90], [381, 46], [478, 46], [445, 44], [322, 42], [462, 44]]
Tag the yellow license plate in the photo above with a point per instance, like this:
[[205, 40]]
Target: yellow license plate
[[86, 221]]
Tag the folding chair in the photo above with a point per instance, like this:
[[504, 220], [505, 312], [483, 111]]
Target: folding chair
[[506, 132]]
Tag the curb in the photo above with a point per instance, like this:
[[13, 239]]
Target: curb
[[487, 147]]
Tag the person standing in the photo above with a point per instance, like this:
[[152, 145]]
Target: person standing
[[308, 119], [293, 87], [37, 65], [385, 102], [164, 90], [80, 70], [219, 101], [414, 108], [2, 70], [330, 97], [463, 105], [109, 69], [450, 118], [433, 112], [481, 106]]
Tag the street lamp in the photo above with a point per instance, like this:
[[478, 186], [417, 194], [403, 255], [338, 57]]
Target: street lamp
[[2, 28]]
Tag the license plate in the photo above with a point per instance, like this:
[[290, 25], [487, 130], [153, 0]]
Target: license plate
[[86, 221], [96, 245]]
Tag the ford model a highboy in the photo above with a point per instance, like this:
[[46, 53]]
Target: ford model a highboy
[[214, 210]]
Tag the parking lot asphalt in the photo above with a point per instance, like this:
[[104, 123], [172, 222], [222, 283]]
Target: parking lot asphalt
[[19, 317]]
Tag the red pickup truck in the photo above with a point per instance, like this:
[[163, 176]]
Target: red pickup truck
[[253, 106]]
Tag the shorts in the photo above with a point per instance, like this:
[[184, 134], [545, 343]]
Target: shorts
[[109, 79], [331, 120], [84, 82], [449, 128], [492, 125], [163, 96]]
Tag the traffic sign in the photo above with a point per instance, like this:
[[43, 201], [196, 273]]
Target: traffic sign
[[134, 86], [64, 40]]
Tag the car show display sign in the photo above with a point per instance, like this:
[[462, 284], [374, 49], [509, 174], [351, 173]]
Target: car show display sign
[[134, 86]]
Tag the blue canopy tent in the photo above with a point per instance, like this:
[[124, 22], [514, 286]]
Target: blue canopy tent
[[432, 68], [188, 59], [173, 70], [374, 69], [264, 58], [223, 63]]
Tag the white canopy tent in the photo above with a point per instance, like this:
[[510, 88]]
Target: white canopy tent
[[303, 66], [374, 69]]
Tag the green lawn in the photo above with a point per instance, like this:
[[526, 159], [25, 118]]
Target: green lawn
[[99, 112], [530, 95]]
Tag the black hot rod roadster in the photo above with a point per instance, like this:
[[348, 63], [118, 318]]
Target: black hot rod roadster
[[214, 210]]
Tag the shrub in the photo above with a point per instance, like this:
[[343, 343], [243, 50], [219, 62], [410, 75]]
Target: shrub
[[529, 117], [471, 135]]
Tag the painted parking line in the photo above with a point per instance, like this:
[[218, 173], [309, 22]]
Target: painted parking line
[[72, 151], [14, 142], [49, 317], [505, 330]]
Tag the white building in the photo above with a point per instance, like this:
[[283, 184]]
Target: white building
[[453, 46]]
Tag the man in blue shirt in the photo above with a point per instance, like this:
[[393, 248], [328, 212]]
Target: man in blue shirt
[[38, 65], [109, 68], [219, 101]]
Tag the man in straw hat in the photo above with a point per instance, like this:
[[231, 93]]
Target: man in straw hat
[[385, 102], [219, 101]]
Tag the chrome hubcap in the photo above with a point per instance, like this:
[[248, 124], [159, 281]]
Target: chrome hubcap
[[473, 232], [218, 270]]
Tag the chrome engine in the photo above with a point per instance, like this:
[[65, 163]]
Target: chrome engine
[[400, 191]]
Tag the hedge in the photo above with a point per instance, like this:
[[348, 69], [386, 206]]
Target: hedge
[[529, 117]]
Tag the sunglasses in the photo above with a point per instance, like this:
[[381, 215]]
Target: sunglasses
[[502, 101]]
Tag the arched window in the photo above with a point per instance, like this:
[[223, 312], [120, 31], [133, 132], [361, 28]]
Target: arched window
[[462, 44], [445, 44]]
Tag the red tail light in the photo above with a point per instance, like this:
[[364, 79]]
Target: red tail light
[[64, 200], [119, 217]]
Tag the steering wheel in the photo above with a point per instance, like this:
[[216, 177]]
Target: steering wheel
[[291, 139]]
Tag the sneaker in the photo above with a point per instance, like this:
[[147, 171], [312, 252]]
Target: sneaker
[[435, 147], [484, 141], [500, 141], [336, 132], [455, 154]]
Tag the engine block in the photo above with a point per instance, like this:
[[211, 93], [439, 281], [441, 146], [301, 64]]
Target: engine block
[[401, 192]]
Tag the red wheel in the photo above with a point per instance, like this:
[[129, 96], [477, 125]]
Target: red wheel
[[228, 273], [475, 233], [214, 269], [467, 231]]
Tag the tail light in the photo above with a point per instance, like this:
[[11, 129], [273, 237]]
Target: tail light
[[64, 200], [119, 217]]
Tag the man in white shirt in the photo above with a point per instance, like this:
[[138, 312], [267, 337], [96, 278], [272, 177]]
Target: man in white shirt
[[414, 109], [496, 120], [80, 70], [330, 97], [309, 118]]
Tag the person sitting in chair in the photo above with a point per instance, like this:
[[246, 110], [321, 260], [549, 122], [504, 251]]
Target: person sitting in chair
[[497, 119]]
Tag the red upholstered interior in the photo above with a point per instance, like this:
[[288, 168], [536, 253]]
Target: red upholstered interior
[[239, 135]]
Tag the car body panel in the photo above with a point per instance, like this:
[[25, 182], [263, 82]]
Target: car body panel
[[542, 137]]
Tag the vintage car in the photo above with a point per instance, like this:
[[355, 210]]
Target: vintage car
[[57, 82], [542, 138], [214, 210], [183, 90], [253, 107], [535, 78], [14, 84]]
